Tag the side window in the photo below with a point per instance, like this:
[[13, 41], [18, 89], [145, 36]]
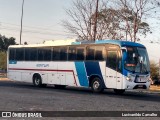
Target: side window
[[80, 53], [12, 54], [63, 53], [56, 54], [119, 62], [27, 54], [19, 54], [72, 53], [33, 54], [100, 53], [44, 54], [40, 54], [47, 54], [90, 53], [112, 59]]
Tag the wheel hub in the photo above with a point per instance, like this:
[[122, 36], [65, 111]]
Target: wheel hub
[[96, 85], [37, 81]]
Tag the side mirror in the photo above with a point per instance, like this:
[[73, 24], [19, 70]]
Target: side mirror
[[124, 49]]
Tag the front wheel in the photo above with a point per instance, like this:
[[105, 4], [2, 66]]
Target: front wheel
[[97, 85], [117, 91]]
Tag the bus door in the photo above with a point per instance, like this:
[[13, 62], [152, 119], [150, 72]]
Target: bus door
[[113, 66]]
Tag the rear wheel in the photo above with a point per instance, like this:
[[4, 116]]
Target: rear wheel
[[37, 81], [97, 85], [117, 91]]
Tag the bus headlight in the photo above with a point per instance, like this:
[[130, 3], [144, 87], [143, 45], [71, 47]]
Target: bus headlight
[[128, 78]]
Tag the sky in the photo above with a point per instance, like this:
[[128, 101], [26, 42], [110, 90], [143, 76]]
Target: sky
[[42, 19]]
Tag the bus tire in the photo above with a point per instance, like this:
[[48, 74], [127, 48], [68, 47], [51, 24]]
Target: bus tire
[[97, 85], [119, 92], [37, 81]]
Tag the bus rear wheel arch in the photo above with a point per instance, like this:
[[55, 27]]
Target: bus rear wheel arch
[[37, 80], [96, 84]]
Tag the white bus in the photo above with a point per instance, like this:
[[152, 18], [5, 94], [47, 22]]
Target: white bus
[[119, 65]]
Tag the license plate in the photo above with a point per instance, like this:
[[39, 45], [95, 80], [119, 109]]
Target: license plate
[[140, 86], [139, 79]]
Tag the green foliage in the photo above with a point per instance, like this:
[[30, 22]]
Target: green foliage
[[3, 60], [154, 70], [6, 42], [119, 17]]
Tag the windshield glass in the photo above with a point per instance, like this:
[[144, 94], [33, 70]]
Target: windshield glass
[[137, 60]]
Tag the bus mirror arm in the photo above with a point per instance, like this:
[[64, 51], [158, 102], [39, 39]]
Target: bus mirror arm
[[124, 48], [119, 65]]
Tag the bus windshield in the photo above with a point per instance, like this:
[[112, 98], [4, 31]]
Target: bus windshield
[[137, 60]]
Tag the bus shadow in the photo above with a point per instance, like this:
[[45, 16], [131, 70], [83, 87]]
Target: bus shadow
[[134, 95]]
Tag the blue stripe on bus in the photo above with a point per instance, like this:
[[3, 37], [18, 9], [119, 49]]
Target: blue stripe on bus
[[119, 42], [93, 68], [125, 72], [12, 62], [81, 73]]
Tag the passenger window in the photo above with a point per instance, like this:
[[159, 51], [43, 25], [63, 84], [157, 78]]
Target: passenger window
[[90, 53], [33, 54], [55, 54], [99, 53], [63, 53], [27, 54], [80, 53], [72, 53], [40, 54], [11, 54], [112, 59], [19, 54], [47, 54]]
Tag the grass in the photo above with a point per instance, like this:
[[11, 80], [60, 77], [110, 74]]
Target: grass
[[3, 75], [155, 87]]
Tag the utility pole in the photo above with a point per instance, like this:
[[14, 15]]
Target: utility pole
[[126, 33], [21, 22], [159, 67], [95, 21]]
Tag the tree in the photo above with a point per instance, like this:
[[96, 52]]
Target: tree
[[3, 60], [120, 19], [132, 14], [82, 20], [154, 70], [108, 24], [6, 42]]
